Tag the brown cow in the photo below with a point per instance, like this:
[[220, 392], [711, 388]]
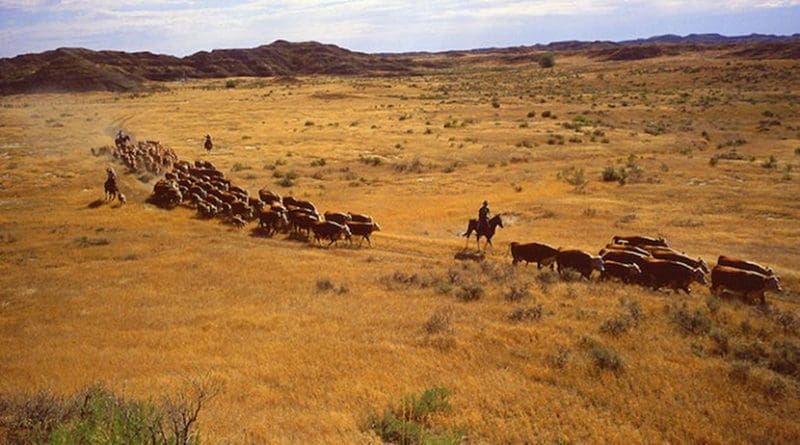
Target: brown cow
[[670, 254], [580, 261], [640, 241], [625, 257], [359, 217], [330, 231], [337, 217], [271, 221], [660, 273], [628, 273], [269, 197], [542, 254], [363, 230], [745, 265], [626, 247], [747, 283]]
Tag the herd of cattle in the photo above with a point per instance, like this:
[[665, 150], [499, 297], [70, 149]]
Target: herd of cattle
[[652, 262], [202, 186], [635, 259], [143, 156]]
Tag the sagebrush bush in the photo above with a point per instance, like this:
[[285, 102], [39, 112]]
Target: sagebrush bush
[[440, 321], [694, 323], [526, 313], [547, 60], [517, 292], [470, 292], [409, 422]]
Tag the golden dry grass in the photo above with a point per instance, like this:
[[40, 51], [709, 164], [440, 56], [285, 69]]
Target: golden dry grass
[[171, 296]]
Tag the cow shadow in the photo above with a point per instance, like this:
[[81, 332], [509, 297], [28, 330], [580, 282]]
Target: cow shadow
[[96, 203]]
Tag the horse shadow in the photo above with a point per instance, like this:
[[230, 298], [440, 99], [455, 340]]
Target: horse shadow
[[96, 203]]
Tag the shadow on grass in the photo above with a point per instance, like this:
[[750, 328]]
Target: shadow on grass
[[96, 203]]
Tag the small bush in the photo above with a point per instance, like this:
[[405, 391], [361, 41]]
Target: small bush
[[602, 357], [571, 276], [526, 313], [532, 114], [713, 304], [440, 321], [318, 162], [546, 113], [616, 325], [237, 167], [775, 388], [694, 323], [325, 284], [573, 176], [720, 341], [517, 292], [285, 182], [770, 163], [495, 103], [739, 372], [309, 123], [713, 161], [231, 84], [610, 174], [559, 359], [469, 292], [409, 422], [547, 60]]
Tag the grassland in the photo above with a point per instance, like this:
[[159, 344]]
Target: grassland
[[138, 299]]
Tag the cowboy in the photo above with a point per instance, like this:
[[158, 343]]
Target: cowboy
[[208, 144], [112, 175], [483, 216]]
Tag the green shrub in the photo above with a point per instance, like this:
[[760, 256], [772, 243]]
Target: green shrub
[[318, 162], [469, 292], [409, 422], [610, 174], [691, 322], [517, 292], [547, 60], [771, 162], [231, 84], [526, 313], [237, 167]]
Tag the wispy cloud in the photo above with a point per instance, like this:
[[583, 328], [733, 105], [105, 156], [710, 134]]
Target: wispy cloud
[[183, 26]]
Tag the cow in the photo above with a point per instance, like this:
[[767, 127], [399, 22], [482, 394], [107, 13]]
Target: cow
[[626, 247], [678, 276], [542, 254], [640, 241], [359, 217], [580, 261], [268, 196], [628, 273], [625, 257], [746, 283], [271, 221], [237, 221], [330, 231], [669, 254], [338, 217], [744, 265], [363, 230]]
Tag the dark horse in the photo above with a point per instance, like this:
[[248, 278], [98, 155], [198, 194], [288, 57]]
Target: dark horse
[[487, 232], [112, 191]]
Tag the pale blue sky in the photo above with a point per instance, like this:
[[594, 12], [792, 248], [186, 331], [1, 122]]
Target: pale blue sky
[[182, 27]]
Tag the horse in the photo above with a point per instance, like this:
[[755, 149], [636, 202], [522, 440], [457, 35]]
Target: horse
[[487, 232], [208, 144], [112, 191]]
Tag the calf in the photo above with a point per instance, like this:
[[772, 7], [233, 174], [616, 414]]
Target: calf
[[272, 221], [542, 254], [746, 283], [744, 265], [628, 273], [580, 261], [661, 273]]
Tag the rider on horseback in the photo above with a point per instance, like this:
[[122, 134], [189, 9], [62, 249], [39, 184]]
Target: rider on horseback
[[483, 216], [208, 144], [112, 175]]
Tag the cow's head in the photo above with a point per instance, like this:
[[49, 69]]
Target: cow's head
[[597, 264], [699, 276], [772, 283]]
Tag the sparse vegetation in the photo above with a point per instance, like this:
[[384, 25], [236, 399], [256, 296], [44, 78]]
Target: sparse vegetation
[[411, 421]]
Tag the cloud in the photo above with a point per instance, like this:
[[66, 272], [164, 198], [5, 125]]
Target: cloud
[[183, 26]]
